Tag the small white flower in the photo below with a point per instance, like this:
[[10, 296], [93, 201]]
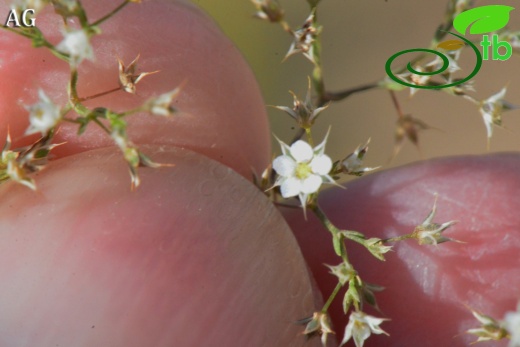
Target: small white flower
[[512, 324], [492, 108], [76, 43], [268, 10], [161, 106], [360, 326], [302, 169], [43, 116]]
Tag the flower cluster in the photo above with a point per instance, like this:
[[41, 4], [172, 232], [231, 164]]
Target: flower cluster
[[45, 116]]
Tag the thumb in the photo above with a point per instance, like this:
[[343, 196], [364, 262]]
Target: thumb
[[428, 287]]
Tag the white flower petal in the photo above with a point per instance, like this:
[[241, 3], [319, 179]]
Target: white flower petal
[[512, 324], [311, 184], [321, 165], [301, 151], [290, 187], [76, 43], [361, 334], [488, 121], [498, 96], [284, 166], [43, 115], [348, 333]]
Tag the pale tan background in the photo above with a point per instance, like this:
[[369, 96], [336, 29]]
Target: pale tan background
[[358, 37]]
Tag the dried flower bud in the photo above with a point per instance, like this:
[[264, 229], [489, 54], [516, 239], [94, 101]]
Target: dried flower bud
[[408, 127], [11, 168], [268, 10], [352, 164], [127, 77], [430, 233], [303, 111], [304, 39], [318, 324], [490, 328]]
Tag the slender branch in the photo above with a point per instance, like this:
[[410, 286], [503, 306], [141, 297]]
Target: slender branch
[[331, 298], [396, 104], [98, 95], [338, 96], [110, 14]]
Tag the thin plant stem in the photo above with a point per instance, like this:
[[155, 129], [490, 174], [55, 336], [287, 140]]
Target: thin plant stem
[[331, 298], [99, 94], [111, 13]]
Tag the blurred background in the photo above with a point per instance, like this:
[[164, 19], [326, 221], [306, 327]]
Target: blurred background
[[357, 39]]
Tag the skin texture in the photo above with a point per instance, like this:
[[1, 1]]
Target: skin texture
[[186, 260], [428, 286], [223, 115], [197, 256]]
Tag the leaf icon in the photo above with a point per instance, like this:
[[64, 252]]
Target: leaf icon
[[483, 19]]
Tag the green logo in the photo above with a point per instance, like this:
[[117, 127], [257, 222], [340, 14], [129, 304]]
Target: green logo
[[479, 20]]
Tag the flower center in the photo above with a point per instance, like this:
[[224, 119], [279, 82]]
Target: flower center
[[303, 170]]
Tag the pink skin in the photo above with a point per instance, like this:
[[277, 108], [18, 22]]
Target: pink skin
[[197, 256], [428, 286], [223, 114]]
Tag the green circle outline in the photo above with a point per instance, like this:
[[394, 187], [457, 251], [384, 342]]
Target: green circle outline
[[443, 68]]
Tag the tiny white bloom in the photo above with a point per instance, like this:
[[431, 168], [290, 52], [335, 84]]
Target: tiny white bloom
[[360, 326], [512, 324], [492, 108], [302, 169], [161, 105], [43, 116], [76, 43]]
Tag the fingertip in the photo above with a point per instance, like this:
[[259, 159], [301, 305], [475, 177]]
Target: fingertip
[[196, 256]]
